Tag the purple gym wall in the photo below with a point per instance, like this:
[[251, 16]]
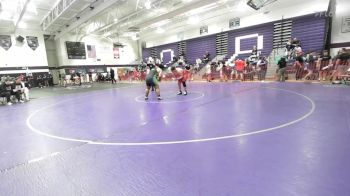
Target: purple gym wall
[[196, 48], [146, 52], [172, 46], [166, 57], [310, 30], [265, 30], [246, 44]]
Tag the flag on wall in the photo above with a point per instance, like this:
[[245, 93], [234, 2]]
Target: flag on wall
[[116, 54], [33, 42], [5, 41], [91, 51]]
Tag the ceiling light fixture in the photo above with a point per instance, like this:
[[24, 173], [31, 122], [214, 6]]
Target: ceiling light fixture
[[160, 23], [5, 15], [160, 30], [200, 10], [22, 25], [135, 37], [107, 34], [10, 5], [148, 4], [193, 20], [32, 8], [242, 6]]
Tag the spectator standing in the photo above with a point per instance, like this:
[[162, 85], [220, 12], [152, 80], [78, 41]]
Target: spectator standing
[[206, 57], [112, 76], [282, 64], [262, 68]]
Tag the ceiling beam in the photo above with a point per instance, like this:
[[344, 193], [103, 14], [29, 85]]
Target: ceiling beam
[[181, 10], [125, 18], [176, 12], [102, 7], [21, 14]]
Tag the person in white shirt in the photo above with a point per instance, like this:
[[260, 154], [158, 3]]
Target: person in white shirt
[[22, 89], [198, 62], [208, 72]]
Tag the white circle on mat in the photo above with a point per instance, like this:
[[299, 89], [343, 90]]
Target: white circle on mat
[[247, 133]]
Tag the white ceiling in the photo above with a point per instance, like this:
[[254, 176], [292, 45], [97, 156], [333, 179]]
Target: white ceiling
[[113, 18], [23, 13]]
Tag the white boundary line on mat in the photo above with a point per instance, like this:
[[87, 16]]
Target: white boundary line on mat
[[312, 109]]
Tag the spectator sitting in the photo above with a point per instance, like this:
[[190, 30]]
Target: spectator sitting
[[175, 59], [5, 93], [198, 62], [310, 62], [253, 58], [289, 48], [262, 68], [39, 79], [299, 64], [206, 57], [254, 51], [158, 62], [72, 78], [182, 55], [45, 80], [181, 62], [295, 48], [298, 50], [26, 90], [78, 78], [22, 90], [108, 76], [208, 72], [296, 42], [50, 78], [90, 76], [340, 67], [323, 65], [21, 76], [249, 69], [10, 87], [150, 60]]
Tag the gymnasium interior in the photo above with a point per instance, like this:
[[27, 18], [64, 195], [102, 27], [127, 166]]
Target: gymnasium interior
[[174, 97]]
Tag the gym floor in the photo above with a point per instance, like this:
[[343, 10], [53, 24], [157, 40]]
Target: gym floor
[[221, 139]]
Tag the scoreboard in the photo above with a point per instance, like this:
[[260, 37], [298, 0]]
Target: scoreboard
[[76, 50]]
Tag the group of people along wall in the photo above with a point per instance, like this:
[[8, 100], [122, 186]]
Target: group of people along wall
[[310, 29]]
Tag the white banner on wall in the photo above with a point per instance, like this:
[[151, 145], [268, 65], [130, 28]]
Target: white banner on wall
[[167, 51], [260, 41], [5, 41], [345, 27], [32, 42]]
